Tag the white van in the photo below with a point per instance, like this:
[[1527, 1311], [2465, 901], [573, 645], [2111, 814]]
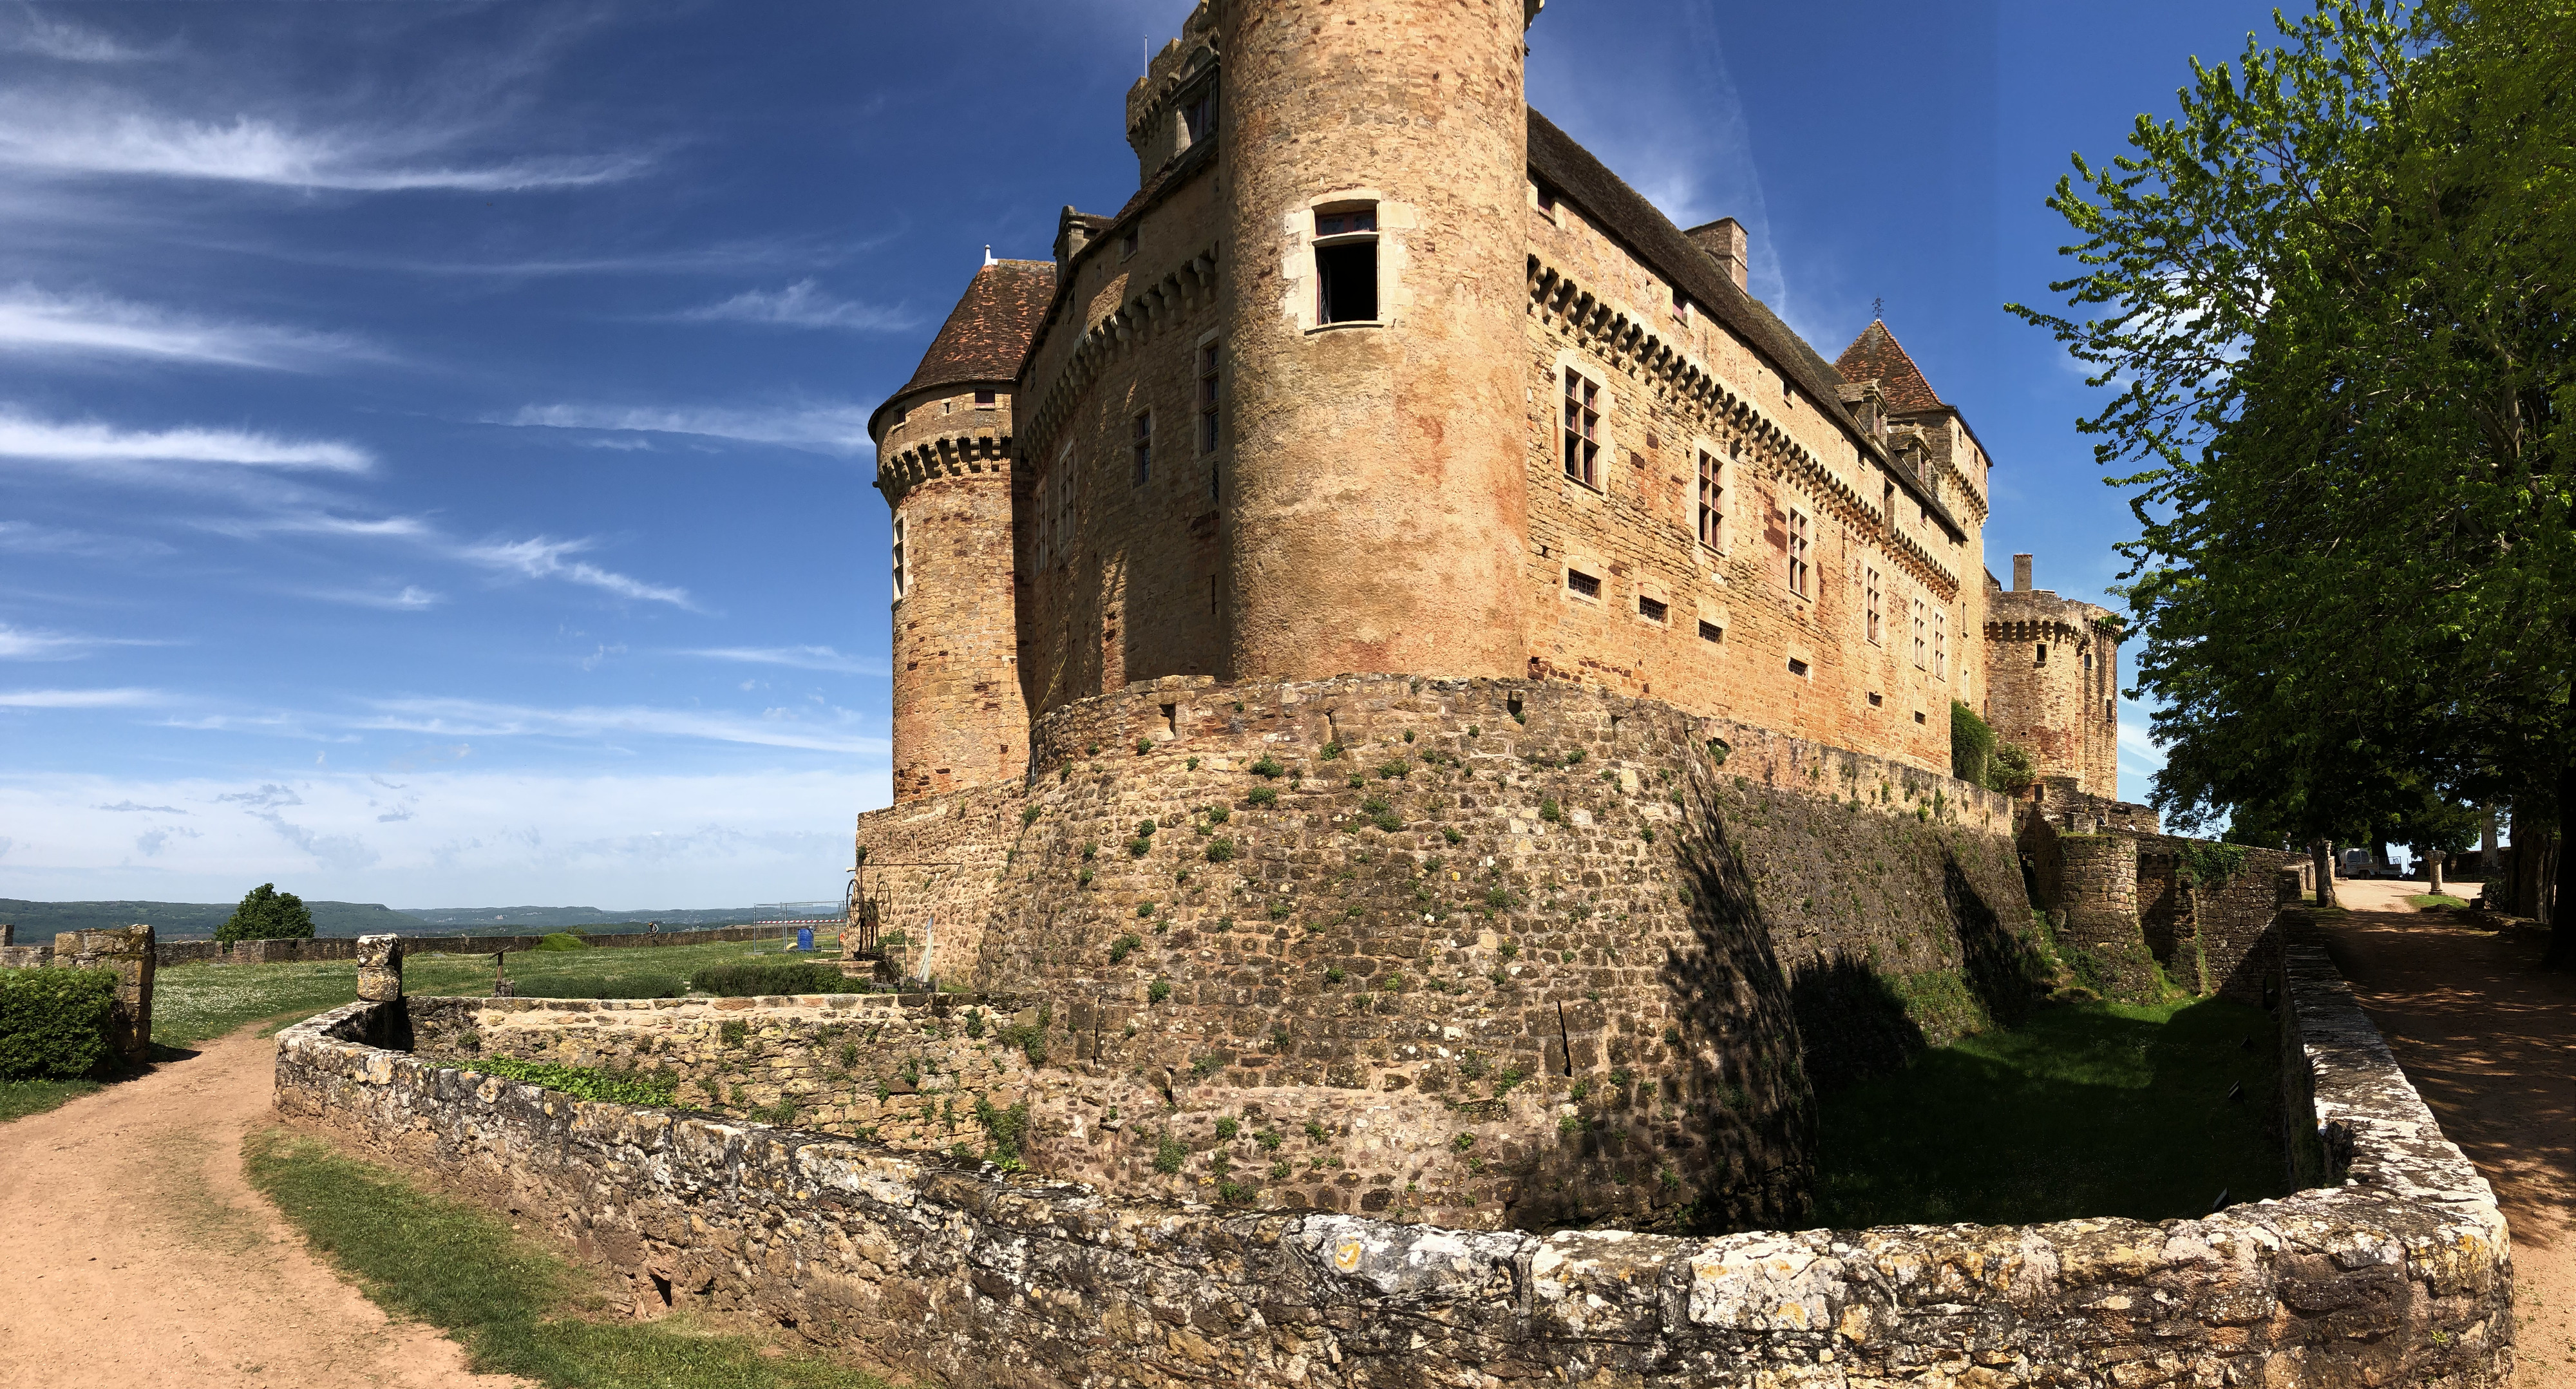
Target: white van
[[2360, 863]]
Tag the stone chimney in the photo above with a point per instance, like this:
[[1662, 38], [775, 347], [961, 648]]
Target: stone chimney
[[2021, 573], [1724, 241]]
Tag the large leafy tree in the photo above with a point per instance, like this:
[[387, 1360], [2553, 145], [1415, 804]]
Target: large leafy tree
[[2333, 299], [267, 914]]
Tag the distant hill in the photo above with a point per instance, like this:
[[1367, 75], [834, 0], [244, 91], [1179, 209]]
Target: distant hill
[[38, 922]]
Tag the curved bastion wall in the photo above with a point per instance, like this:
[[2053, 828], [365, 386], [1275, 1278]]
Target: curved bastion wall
[[1563, 956], [2394, 1268]]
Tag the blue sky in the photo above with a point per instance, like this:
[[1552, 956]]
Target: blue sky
[[433, 435]]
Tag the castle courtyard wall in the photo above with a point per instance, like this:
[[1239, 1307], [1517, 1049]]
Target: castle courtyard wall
[[2394, 1269]]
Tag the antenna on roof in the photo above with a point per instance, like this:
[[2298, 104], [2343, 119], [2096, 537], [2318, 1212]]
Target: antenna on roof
[[988, 253]]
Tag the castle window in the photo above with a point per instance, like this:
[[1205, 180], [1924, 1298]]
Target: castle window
[[985, 397], [1547, 200], [1650, 609], [1582, 428], [1207, 398], [1710, 631], [1876, 699], [1198, 115], [1941, 644], [2110, 713], [1681, 304], [1921, 644], [1869, 603], [1800, 544], [1144, 448], [1055, 512], [2043, 655], [1584, 585], [1797, 668], [1918, 716], [1127, 243], [1346, 266], [902, 576], [1712, 500]]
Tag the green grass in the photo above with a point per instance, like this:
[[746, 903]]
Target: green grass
[[514, 1306], [2084, 1110], [2422, 900], [20, 1098]]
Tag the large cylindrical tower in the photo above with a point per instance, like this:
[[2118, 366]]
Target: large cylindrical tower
[[944, 457], [1376, 165]]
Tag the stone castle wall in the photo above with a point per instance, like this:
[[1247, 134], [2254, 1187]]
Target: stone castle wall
[[930, 870], [2396, 1272], [1518, 912], [269, 952], [2061, 708]]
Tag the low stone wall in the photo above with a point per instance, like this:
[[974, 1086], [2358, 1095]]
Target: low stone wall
[[2399, 1273], [125, 949], [269, 952]]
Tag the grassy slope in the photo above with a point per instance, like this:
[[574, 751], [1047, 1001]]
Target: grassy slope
[[2095, 1109], [2425, 900], [514, 1306]]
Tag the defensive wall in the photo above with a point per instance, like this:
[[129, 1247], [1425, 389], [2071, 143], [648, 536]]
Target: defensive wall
[[2391, 1267], [269, 952]]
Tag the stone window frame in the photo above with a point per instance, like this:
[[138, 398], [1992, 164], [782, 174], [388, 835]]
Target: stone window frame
[[1716, 539], [1922, 633], [1574, 563], [1056, 509], [1873, 605], [1318, 242], [1548, 203], [1207, 401], [1140, 445], [1605, 432], [1396, 221], [1712, 619], [1797, 547], [1653, 596], [1188, 106], [1941, 643], [902, 557]]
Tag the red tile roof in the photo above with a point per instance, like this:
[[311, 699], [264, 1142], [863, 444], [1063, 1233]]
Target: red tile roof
[[1876, 354], [988, 332]]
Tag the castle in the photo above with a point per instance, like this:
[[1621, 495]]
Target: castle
[[1325, 508]]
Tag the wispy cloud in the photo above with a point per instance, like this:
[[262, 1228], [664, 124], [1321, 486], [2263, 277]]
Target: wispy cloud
[[800, 657], [126, 807], [541, 558], [2138, 744], [78, 699], [804, 305], [31, 32], [22, 436], [826, 428], [411, 598], [318, 523], [479, 718], [40, 131], [22, 644], [26, 537], [34, 321]]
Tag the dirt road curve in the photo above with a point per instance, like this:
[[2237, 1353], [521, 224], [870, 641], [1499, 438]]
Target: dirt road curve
[[138, 1256], [2490, 1042]]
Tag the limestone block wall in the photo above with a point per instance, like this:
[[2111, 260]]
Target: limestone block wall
[[127, 950], [1548, 920], [2396, 1271], [257, 952], [2100, 933], [931, 870], [2052, 679]]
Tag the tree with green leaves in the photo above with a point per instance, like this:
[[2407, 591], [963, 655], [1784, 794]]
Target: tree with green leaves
[[2334, 300], [267, 914]]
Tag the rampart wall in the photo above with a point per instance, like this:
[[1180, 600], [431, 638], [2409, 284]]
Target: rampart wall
[[2396, 1269], [269, 952]]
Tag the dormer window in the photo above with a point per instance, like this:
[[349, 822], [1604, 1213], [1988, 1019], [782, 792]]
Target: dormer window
[[1198, 115], [984, 399], [1127, 244], [1346, 265]]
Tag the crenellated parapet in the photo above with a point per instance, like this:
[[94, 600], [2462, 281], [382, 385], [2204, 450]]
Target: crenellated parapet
[[985, 453]]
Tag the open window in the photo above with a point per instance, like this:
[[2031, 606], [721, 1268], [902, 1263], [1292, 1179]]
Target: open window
[[1582, 428], [1346, 265], [902, 575]]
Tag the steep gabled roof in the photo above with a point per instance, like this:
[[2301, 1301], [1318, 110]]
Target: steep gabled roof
[[1876, 354], [988, 332]]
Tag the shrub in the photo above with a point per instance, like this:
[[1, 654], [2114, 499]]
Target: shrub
[[1549, 811], [1122, 947], [1028, 816], [1268, 766], [267, 914], [1159, 990], [585, 1083], [751, 978], [1227, 1128], [563, 940], [1007, 1128], [1220, 850], [2010, 770], [1972, 744], [1169, 1154], [1263, 795], [1332, 752], [54, 1022]]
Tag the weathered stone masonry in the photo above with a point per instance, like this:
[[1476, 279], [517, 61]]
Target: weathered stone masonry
[[2396, 1270]]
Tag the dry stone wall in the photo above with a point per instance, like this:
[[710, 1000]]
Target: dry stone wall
[[2395, 1270], [1559, 955], [269, 952]]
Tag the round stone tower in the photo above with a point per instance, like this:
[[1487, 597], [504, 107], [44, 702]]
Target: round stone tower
[[1377, 411], [944, 459]]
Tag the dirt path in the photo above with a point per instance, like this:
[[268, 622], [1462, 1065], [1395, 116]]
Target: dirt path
[[139, 1256], [2490, 1042]]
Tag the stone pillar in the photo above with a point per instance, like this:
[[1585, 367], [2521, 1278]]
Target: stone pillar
[[129, 951], [2099, 877], [380, 960]]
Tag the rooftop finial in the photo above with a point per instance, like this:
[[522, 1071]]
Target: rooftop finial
[[988, 253]]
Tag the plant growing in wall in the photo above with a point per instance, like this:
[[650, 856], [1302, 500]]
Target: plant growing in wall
[[1267, 766], [1220, 850]]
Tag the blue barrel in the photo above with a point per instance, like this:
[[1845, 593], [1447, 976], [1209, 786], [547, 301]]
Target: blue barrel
[[804, 937]]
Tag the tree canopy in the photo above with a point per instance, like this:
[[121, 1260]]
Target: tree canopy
[[2333, 301], [267, 914]]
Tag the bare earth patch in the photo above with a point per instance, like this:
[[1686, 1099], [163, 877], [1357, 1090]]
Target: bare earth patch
[[2490, 1042], [138, 1256]]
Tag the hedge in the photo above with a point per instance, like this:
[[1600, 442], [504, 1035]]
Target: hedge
[[54, 1023], [755, 978]]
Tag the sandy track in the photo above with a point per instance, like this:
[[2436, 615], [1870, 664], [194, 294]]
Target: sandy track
[[141, 1257], [2490, 1042]]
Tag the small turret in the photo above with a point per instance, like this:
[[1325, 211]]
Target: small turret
[[944, 457]]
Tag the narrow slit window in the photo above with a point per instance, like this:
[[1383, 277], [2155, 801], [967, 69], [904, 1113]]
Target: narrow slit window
[[1922, 644], [1800, 543], [1876, 699], [1346, 266], [2042, 658], [1144, 448], [2110, 712], [1797, 668], [1941, 644], [1584, 585], [1650, 609], [902, 577], [1710, 631], [1712, 500], [1582, 428], [1207, 398], [1870, 604]]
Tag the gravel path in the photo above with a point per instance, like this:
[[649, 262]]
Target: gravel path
[[2490, 1042], [140, 1256]]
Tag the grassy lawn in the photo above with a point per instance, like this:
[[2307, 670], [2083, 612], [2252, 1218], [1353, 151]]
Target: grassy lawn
[[514, 1306], [20, 1098], [2425, 900], [2085, 1110]]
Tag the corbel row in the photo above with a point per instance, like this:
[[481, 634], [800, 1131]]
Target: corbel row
[[944, 455], [1146, 313]]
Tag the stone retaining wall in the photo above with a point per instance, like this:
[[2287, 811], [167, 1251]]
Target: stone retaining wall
[[269, 952], [2399, 1273]]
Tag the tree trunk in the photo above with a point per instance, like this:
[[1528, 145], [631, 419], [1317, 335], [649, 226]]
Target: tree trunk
[[2434, 861], [2323, 852], [2562, 930]]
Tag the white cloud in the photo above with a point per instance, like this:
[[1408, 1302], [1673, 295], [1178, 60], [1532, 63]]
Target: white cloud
[[540, 558], [26, 537], [20, 644], [40, 131], [78, 699], [803, 305], [473, 718], [828, 428], [46, 37], [90, 442], [2137, 743], [411, 598], [800, 657], [320, 523], [32, 320]]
